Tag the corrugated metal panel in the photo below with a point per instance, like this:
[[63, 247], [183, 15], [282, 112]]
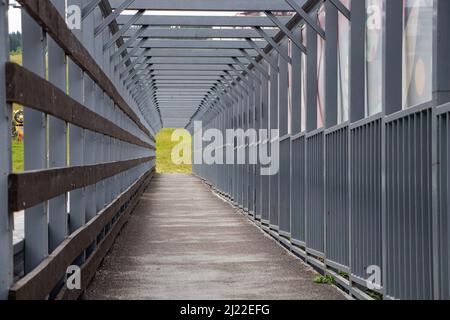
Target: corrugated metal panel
[[298, 190], [315, 192], [274, 219], [336, 202], [257, 191], [265, 195], [409, 207], [444, 208], [285, 186], [365, 186]]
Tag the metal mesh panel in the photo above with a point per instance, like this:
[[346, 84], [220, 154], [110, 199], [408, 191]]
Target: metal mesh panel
[[336, 202], [298, 190], [444, 196], [365, 217], [314, 193], [408, 207]]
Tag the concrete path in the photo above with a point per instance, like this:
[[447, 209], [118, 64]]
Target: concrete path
[[183, 242]]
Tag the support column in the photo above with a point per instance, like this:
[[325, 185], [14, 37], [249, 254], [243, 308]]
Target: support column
[[57, 210], [6, 222], [36, 220]]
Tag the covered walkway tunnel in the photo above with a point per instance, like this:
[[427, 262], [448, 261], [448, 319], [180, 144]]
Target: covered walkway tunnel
[[349, 100]]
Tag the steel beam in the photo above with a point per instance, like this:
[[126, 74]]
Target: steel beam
[[202, 21], [200, 44], [201, 33], [201, 5]]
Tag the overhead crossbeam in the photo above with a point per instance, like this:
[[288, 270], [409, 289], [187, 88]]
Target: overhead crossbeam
[[185, 53], [199, 33], [201, 21], [200, 44], [202, 5]]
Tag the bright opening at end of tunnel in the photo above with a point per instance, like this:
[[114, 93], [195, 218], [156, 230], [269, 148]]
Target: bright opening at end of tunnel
[[166, 144]]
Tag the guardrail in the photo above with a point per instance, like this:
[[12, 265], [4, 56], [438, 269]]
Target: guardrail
[[88, 155], [361, 194]]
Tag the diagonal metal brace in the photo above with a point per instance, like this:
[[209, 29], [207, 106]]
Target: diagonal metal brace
[[124, 29], [286, 31], [306, 17], [245, 71], [263, 54], [109, 19], [89, 8], [273, 43], [343, 9], [255, 64]]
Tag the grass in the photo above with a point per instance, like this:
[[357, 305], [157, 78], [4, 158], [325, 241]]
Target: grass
[[324, 280], [164, 147], [16, 58], [163, 154], [17, 147], [17, 156], [164, 162]]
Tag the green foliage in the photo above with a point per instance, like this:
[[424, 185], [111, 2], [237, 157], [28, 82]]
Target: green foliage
[[375, 295], [17, 155], [164, 146], [16, 58], [15, 42], [324, 280]]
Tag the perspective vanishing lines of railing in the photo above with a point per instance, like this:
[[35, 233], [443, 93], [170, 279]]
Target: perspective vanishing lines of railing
[[359, 91]]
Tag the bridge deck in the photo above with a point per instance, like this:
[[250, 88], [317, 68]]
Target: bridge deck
[[184, 243]]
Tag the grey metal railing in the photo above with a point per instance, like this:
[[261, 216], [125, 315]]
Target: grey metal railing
[[88, 154], [359, 91], [351, 195]]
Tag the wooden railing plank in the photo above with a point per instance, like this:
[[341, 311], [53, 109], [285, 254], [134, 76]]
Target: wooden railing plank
[[31, 188], [46, 15], [28, 89], [42, 280]]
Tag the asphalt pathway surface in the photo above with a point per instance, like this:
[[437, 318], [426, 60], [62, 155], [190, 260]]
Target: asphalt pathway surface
[[183, 242]]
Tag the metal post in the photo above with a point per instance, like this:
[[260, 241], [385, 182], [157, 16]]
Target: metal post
[[77, 202], [274, 124], [35, 131], [6, 222], [57, 211]]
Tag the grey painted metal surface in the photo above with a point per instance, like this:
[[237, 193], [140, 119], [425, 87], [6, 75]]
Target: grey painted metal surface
[[6, 223], [353, 185], [444, 196], [365, 190], [349, 195], [48, 224]]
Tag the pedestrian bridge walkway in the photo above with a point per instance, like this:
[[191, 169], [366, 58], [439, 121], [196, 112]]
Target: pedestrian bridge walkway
[[184, 242], [354, 93]]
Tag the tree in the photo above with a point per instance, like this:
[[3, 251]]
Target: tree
[[15, 42]]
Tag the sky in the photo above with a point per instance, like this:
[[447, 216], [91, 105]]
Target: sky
[[14, 20]]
